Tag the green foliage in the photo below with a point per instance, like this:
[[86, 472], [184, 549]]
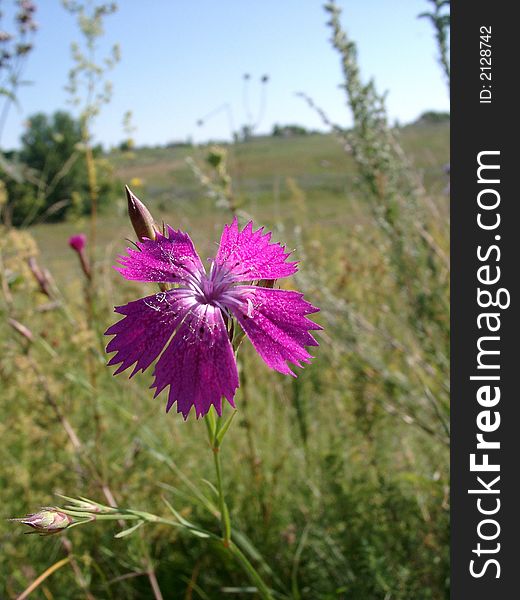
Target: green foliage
[[416, 250], [440, 19], [87, 85], [15, 47], [54, 180], [331, 479], [337, 483]]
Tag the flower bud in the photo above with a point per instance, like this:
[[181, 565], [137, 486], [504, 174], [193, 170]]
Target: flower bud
[[77, 242], [141, 218], [47, 521]]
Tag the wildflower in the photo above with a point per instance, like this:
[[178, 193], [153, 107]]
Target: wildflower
[[188, 323], [47, 521], [136, 182], [78, 243]]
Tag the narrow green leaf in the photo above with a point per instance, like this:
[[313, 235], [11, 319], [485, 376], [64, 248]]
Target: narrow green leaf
[[211, 424], [8, 94], [176, 514], [194, 529], [130, 530], [222, 431], [210, 507], [211, 487]]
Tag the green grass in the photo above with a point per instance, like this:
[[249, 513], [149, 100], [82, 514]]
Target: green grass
[[338, 479], [317, 165]]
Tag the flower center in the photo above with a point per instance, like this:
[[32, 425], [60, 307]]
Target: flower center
[[210, 287], [209, 291]]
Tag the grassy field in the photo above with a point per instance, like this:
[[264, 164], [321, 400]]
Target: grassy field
[[276, 180], [337, 481]]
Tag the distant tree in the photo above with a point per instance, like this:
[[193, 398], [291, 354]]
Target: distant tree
[[54, 179], [277, 130], [289, 131], [187, 143], [51, 148], [127, 145], [433, 116], [246, 133]]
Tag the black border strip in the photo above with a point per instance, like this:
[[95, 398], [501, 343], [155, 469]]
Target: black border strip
[[482, 127]]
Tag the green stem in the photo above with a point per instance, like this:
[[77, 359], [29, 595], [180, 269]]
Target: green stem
[[213, 429], [225, 521], [215, 440], [263, 590]]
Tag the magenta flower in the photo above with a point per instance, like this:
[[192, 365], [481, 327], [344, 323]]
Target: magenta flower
[[188, 323], [77, 242]]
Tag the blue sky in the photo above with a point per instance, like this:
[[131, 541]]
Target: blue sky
[[182, 59]]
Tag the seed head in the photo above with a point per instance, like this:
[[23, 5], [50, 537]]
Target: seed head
[[47, 521]]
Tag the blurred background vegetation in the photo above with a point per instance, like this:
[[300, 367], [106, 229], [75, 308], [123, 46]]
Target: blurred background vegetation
[[337, 481]]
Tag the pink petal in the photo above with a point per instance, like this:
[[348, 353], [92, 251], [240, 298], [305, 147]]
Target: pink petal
[[199, 364], [275, 322], [148, 325], [167, 259], [250, 255]]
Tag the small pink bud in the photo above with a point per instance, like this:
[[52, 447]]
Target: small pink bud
[[47, 521], [78, 242], [141, 218]]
